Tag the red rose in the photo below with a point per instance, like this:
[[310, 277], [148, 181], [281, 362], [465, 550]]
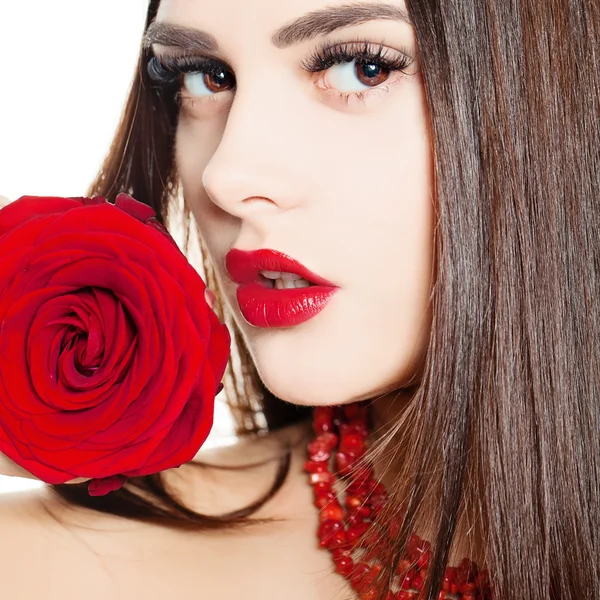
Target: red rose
[[110, 357]]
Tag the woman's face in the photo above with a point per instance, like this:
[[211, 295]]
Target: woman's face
[[332, 168]]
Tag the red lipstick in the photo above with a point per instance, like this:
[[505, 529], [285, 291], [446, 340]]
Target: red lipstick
[[261, 304]]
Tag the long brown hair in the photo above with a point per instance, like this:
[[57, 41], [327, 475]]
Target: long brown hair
[[506, 420]]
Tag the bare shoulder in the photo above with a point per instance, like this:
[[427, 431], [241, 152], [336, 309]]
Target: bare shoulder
[[56, 551], [26, 536], [31, 515], [40, 555], [21, 516], [52, 550]]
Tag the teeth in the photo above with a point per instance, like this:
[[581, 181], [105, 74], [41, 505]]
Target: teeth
[[290, 284], [280, 275], [285, 281]]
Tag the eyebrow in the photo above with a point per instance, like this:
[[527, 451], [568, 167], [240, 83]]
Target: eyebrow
[[315, 23]]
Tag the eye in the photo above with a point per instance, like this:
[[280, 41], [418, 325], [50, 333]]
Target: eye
[[353, 70], [343, 77], [206, 84], [194, 78]]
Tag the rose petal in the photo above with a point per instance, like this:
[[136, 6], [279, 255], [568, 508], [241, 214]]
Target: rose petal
[[93, 201], [131, 318], [134, 208], [101, 487], [26, 208]]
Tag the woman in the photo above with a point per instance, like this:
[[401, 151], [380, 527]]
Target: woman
[[436, 165]]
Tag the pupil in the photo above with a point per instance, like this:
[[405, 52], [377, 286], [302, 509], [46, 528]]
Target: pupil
[[371, 69], [220, 78]]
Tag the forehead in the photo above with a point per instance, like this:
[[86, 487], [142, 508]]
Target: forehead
[[282, 23]]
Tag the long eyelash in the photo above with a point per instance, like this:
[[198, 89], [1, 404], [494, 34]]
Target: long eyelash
[[168, 70], [331, 53]]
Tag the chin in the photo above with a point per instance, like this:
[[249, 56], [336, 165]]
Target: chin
[[313, 391], [325, 363]]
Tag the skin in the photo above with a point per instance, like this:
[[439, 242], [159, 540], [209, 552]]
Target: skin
[[271, 164]]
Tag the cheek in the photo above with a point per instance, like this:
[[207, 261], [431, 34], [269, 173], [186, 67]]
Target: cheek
[[384, 219], [393, 257], [401, 236], [195, 144], [369, 212]]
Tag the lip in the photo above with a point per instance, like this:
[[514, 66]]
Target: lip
[[262, 306]]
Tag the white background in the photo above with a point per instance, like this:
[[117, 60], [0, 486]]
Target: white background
[[65, 70]]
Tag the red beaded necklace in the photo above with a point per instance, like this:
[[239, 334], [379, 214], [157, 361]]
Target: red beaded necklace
[[342, 431]]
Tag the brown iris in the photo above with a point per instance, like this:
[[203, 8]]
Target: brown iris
[[218, 82], [372, 73]]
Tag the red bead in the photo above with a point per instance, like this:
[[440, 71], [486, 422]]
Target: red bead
[[343, 462], [352, 411], [343, 562], [363, 524], [449, 578], [372, 593], [320, 448], [423, 546], [315, 467], [418, 582], [393, 529], [323, 486], [322, 500], [344, 566], [357, 425], [372, 538], [423, 560], [404, 566], [352, 444], [353, 517], [467, 588], [332, 512], [357, 488], [467, 570], [323, 419], [320, 477], [354, 501], [356, 531], [337, 540], [361, 578], [378, 502], [379, 489], [330, 526], [331, 534], [406, 583], [413, 542], [482, 579], [364, 477]]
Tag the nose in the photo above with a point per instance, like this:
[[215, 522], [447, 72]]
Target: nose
[[258, 167]]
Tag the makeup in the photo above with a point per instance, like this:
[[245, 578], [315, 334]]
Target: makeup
[[274, 290]]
